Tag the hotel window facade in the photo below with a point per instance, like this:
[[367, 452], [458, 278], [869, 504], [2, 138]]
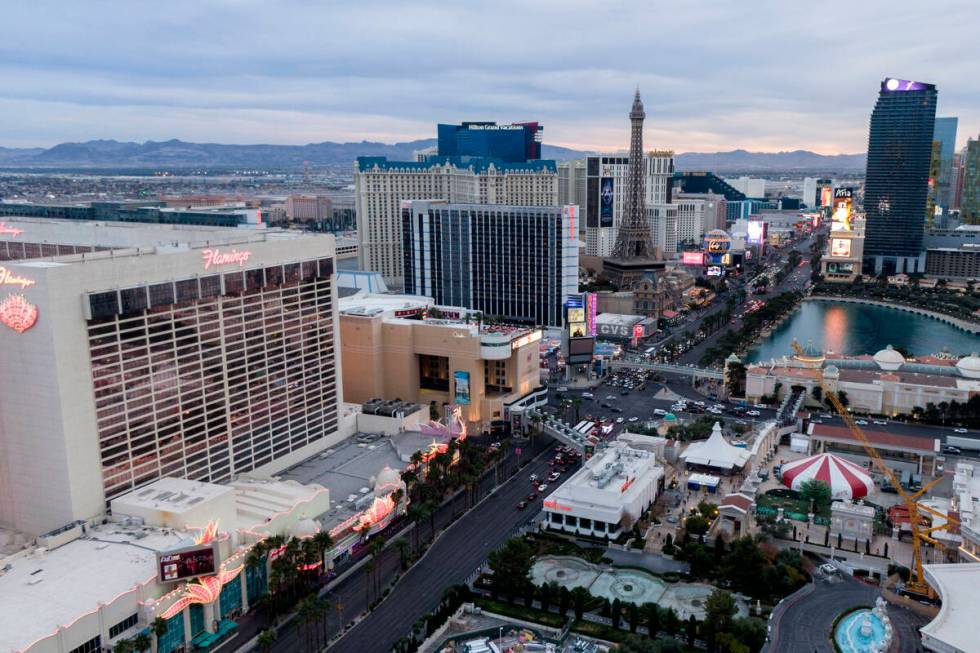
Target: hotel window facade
[[212, 376]]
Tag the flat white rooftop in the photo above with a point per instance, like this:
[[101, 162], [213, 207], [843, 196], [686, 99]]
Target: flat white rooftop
[[956, 624], [46, 589], [175, 495]]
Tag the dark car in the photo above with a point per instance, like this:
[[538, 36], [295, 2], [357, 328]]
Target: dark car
[[522, 505], [532, 496]]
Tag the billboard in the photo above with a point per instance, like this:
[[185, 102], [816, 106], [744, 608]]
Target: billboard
[[842, 210], [462, 379], [188, 562], [714, 271], [637, 331], [580, 350], [840, 268], [606, 197], [574, 315], [756, 232], [692, 258], [591, 312], [840, 247]]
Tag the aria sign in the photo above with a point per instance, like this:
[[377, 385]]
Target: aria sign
[[6, 230], [8, 278], [217, 257]]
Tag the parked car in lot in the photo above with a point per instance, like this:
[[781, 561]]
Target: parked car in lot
[[634, 419], [561, 388], [659, 412]]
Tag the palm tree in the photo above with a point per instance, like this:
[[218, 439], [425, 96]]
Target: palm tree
[[368, 574], [141, 642], [323, 614], [305, 617], [123, 646], [402, 545], [159, 627], [266, 639], [377, 546]]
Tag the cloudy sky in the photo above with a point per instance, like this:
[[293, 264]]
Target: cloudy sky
[[714, 75]]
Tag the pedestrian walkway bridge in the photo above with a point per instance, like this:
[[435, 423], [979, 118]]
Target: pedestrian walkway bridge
[[668, 368]]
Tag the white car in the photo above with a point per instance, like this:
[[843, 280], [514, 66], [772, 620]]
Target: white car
[[759, 406], [659, 412], [960, 430], [620, 420], [562, 388], [753, 413], [880, 422], [587, 395], [634, 419], [861, 422], [542, 487]]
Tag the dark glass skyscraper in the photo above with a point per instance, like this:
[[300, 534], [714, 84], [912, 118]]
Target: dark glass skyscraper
[[897, 177], [515, 143]]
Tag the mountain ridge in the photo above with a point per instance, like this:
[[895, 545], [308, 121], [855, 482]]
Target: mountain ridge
[[181, 154]]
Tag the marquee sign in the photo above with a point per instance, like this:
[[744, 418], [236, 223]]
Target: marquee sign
[[217, 257], [8, 278], [7, 230], [18, 313]]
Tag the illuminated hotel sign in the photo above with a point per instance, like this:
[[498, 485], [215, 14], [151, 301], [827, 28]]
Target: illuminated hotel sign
[[8, 278], [217, 257], [6, 230], [18, 313]]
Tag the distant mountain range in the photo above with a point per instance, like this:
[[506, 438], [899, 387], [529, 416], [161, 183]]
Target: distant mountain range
[[180, 154]]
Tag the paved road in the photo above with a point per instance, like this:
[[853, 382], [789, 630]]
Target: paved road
[[451, 559], [803, 622]]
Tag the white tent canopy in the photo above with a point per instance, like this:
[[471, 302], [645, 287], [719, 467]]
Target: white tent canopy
[[715, 452]]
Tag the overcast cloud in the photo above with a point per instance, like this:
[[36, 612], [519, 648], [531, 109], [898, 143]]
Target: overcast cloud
[[714, 75]]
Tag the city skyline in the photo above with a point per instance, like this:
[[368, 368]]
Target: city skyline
[[761, 78]]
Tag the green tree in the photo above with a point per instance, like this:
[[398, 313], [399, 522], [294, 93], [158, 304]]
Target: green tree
[[580, 596], [617, 613], [267, 638], [696, 525], [159, 628], [511, 565], [123, 646], [720, 609], [817, 493]]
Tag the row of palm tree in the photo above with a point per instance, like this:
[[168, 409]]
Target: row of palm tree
[[295, 569], [142, 641]]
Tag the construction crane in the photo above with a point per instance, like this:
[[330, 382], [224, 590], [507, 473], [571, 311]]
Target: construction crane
[[921, 532]]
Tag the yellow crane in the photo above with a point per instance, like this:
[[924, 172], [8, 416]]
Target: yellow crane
[[920, 531]]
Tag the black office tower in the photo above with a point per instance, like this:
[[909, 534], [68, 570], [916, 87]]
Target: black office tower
[[897, 177]]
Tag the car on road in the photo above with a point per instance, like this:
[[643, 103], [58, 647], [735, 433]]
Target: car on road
[[634, 419], [880, 422], [522, 505], [533, 477], [620, 420], [960, 430], [950, 449], [561, 388], [659, 412], [542, 487], [588, 395], [816, 421], [553, 477], [861, 422], [759, 406], [828, 569], [532, 496], [826, 416], [611, 397], [752, 413], [617, 410]]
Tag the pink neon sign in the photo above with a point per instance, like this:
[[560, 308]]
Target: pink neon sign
[[8, 278], [6, 230], [218, 257], [18, 313]]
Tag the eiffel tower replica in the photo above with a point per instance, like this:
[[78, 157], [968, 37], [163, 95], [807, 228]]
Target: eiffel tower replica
[[633, 256]]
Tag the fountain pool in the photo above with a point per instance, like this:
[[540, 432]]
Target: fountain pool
[[861, 631]]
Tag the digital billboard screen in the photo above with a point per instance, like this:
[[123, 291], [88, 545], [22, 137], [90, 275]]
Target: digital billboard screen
[[606, 198], [840, 268], [580, 350], [692, 258], [842, 210], [714, 271], [575, 314], [189, 562], [840, 247], [756, 232], [462, 394], [826, 195], [577, 330]]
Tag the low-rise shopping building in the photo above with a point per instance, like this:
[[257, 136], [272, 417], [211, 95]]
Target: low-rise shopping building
[[607, 496]]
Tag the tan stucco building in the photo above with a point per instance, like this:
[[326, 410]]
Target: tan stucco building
[[403, 347]]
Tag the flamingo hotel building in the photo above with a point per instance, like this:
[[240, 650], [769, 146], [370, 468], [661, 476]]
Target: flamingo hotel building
[[134, 352]]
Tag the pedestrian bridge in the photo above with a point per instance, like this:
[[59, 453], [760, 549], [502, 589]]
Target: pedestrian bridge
[[560, 431], [699, 372]]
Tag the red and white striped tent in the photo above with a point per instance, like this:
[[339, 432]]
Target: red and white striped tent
[[847, 480]]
